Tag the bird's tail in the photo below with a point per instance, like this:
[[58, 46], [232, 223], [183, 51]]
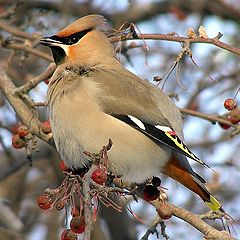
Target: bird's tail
[[214, 204], [186, 176], [206, 196]]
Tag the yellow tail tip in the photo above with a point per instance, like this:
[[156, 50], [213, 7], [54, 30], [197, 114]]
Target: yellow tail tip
[[214, 204]]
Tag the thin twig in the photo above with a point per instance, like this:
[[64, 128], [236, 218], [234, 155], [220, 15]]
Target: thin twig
[[209, 117], [168, 37], [196, 222], [153, 229], [22, 110], [213, 119], [212, 215], [35, 81], [15, 31], [23, 47], [88, 212]]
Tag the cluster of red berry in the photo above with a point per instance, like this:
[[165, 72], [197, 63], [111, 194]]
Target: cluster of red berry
[[77, 224], [151, 192], [20, 134], [99, 175], [234, 113], [19, 137], [60, 197]]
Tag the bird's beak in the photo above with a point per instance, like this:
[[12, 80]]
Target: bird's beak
[[48, 41]]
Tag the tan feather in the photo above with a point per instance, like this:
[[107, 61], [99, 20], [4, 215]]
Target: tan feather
[[97, 22], [88, 86]]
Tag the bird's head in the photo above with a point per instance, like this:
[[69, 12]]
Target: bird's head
[[82, 41]]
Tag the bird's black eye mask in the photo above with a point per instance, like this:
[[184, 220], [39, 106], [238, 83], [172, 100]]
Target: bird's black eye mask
[[71, 39]]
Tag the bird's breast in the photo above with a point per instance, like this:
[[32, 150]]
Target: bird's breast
[[79, 125]]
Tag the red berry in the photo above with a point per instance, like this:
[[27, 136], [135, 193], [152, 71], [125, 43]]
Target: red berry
[[45, 126], [77, 224], [230, 104], [18, 142], [46, 81], [224, 126], [164, 211], [44, 201], [194, 106], [178, 13], [68, 234], [99, 175], [14, 128], [22, 131], [63, 166], [150, 193]]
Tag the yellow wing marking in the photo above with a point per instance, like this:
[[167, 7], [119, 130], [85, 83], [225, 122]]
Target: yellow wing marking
[[184, 148]]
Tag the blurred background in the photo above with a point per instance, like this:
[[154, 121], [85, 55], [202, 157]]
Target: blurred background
[[192, 88]]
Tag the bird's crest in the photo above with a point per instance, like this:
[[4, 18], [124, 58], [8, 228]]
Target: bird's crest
[[89, 22]]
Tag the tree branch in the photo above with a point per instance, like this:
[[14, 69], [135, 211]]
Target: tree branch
[[141, 12], [210, 117], [34, 82], [209, 232], [22, 110], [171, 38], [213, 119], [28, 49], [15, 31]]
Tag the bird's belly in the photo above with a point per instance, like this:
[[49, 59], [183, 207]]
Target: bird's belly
[[133, 155]]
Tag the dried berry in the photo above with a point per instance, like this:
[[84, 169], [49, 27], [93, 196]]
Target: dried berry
[[18, 142], [156, 181], [99, 175], [22, 131], [46, 81], [224, 126], [164, 211], [230, 104], [194, 106], [44, 201], [68, 234], [14, 128], [63, 166], [150, 193], [77, 224], [45, 126]]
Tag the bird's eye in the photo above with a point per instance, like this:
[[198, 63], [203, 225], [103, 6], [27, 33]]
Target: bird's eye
[[72, 40]]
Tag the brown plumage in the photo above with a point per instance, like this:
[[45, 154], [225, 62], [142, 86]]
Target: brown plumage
[[90, 87]]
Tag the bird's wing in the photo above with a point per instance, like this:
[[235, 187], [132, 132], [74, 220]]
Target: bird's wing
[[124, 93], [161, 135]]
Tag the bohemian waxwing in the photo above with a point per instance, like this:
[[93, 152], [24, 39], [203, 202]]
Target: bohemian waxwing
[[92, 98]]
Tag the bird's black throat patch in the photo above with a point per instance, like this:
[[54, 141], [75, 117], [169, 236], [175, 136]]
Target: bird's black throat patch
[[58, 54]]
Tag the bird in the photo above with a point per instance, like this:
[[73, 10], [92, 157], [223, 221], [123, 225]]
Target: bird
[[92, 97]]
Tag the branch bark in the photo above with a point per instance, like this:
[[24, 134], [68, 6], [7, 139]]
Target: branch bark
[[168, 37], [140, 12], [23, 111], [28, 49], [15, 31], [209, 232], [34, 82]]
